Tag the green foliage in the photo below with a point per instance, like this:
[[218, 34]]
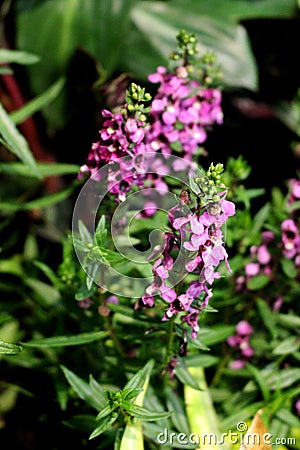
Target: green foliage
[[59, 326]]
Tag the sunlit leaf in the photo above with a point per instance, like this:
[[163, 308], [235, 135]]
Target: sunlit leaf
[[45, 169], [16, 56], [9, 349], [287, 346], [15, 142]]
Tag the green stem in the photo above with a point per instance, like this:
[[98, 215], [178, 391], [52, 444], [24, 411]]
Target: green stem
[[169, 347], [114, 337]]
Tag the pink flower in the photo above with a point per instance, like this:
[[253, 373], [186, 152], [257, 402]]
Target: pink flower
[[263, 255], [243, 328]]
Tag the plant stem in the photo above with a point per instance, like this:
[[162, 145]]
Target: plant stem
[[114, 337], [169, 352]]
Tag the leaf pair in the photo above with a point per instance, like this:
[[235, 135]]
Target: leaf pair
[[125, 404]]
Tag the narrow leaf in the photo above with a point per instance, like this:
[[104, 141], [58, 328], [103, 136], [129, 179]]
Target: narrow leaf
[[18, 57], [130, 394], [81, 388], [98, 391], [133, 434], [287, 346], [258, 282], [267, 317], [138, 380], [85, 235], [45, 169], [105, 412], [39, 203], [36, 104], [105, 424], [15, 142], [143, 413], [260, 379], [184, 375], [200, 410], [9, 349], [178, 414], [65, 341]]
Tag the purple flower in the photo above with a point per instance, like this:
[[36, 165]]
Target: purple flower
[[240, 342], [244, 328]]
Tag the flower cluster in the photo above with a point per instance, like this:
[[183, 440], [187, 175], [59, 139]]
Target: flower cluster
[[198, 237], [240, 342], [120, 146], [181, 112], [266, 256], [176, 121]]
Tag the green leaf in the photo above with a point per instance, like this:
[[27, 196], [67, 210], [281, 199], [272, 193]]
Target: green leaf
[[85, 235], [42, 202], [200, 410], [277, 380], [83, 292], [241, 414], [131, 394], [288, 320], [5, 70], [193, 185], [215, 334], [98, 391], [66, 341], [133, 433], [184, 375], [38, 103], [258, 282], [174, 404], [157, 23], [101, 232], [288, 267], [106, 411], [260, 379], [18, 57], [138, 380], [55, 30], [287, 346], [106, 422], [268, 317], [9, 349], [14, 141], [287, 417], [45, 169], [50, 274], [82, 389], [143, 413]]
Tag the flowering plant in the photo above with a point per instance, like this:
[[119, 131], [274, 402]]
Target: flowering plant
[[180, 300]]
